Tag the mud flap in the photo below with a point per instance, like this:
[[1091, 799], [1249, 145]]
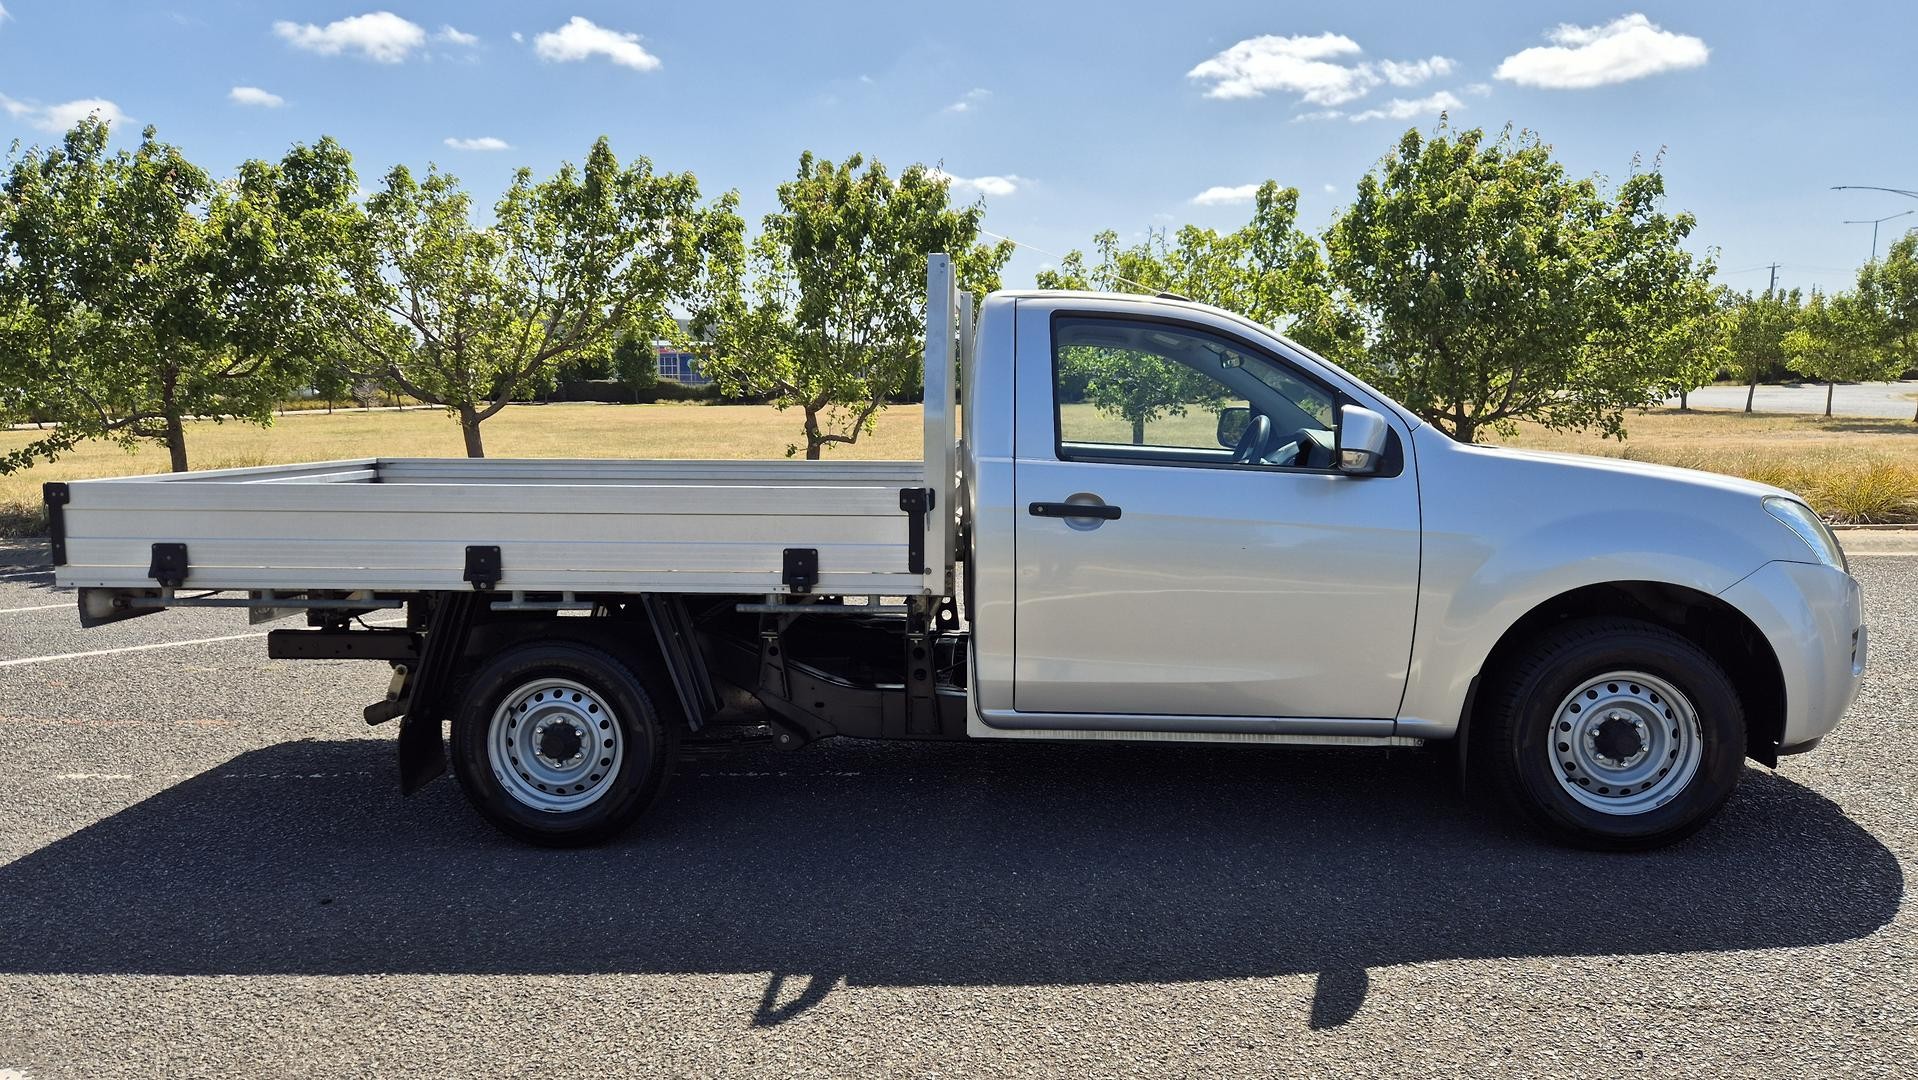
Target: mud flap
[[422, 752], [422, 747]]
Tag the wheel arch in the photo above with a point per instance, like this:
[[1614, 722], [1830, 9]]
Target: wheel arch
[[1723, 631], [631, 634]]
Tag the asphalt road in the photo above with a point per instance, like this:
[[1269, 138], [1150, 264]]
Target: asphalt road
[[1890, 399], [206, 869]]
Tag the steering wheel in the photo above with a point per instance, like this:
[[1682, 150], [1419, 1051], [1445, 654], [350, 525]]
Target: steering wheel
[[1251, 445]]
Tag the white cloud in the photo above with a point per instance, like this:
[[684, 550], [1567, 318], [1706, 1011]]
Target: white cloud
[[380, 35], [1318, 114], [63, 116], [1225, 196], [1414, 72], [453, 35], [1586, 56], [970, 100], [1331, 189], [253, 95], [1301, 65], [581, 39], [992, 186], [1319, 68], [1408, 108], [3, 13], [484, 142], [517, 36]]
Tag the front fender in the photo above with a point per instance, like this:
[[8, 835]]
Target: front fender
[[1505, 533]]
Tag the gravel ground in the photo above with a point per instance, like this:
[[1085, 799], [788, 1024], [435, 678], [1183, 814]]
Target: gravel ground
[[206, 869]]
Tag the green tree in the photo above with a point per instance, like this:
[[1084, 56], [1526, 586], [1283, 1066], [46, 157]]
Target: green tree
[[1136, 388], [466, 316], [824, 312], [139, 291], [1836, 339], [1681, 332], [1493, 288], [1755, 326], [332, 382], [1268, 270], [1891, 287], [635, 363]]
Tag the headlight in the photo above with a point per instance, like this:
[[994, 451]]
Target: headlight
[[1799, 519]]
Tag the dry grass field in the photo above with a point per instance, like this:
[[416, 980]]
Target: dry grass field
[[569, 430], [1852, 469]]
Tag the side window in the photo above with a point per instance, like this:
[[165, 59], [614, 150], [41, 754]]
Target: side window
[[1157, 392], [1117, 394]]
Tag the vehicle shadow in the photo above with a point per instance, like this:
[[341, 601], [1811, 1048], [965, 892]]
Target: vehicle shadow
[[895, 864]]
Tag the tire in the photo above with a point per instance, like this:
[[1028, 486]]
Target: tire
[[559, 744], [1613, 734]]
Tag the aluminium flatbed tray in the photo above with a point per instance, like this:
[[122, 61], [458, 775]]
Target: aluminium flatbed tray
[[404, 524]]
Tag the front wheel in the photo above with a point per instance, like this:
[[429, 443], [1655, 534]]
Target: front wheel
[[558, 743], [1615, 734]]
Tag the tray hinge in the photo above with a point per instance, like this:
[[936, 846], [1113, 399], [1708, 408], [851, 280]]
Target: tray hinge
[[917, 503], [482, 566], [169, 566], [800, 569], [57, 496]]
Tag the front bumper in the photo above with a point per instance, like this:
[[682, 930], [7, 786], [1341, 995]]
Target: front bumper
[[1814, 619]]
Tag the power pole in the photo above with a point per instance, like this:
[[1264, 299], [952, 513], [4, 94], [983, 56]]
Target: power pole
[[1751, 389]]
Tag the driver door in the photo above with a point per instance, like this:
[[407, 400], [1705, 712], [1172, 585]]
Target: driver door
[[1196, 578]]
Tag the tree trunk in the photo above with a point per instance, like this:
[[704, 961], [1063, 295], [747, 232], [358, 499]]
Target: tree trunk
[[175, 430], [1138, 431], [1829, 387], [1464, 430], [813, 444], [1752, 391], [469, 427], [1684, 401]]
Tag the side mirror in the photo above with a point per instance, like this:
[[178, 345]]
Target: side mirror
[[1362, 437], [1233, 420]]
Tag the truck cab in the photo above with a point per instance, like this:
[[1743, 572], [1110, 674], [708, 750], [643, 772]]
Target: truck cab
[[1208, 565]]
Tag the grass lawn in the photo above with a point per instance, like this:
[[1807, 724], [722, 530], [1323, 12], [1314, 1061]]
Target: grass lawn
[[1851, 468]]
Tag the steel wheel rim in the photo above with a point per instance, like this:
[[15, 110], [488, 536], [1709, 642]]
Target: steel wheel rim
[[555, 745], [1625, 743]]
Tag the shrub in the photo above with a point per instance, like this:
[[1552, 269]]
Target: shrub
[[1871, 493]]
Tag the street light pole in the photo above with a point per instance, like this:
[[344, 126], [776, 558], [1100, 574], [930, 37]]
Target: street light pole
[[1873, 222], [1868, 187]]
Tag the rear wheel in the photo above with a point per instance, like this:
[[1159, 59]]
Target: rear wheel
[[558, 743], [1614, 733]]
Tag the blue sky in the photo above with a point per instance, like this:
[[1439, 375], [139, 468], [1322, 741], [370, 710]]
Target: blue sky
[[1069, 117]]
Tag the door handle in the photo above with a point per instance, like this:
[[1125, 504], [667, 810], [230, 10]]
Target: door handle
[[1074, 510]]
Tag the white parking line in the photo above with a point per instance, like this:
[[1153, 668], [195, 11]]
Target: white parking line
[[150, 647], [42, 607], [27, 574], [127, 649]]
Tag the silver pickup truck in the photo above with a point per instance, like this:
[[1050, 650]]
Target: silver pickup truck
[[1268, 551]]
